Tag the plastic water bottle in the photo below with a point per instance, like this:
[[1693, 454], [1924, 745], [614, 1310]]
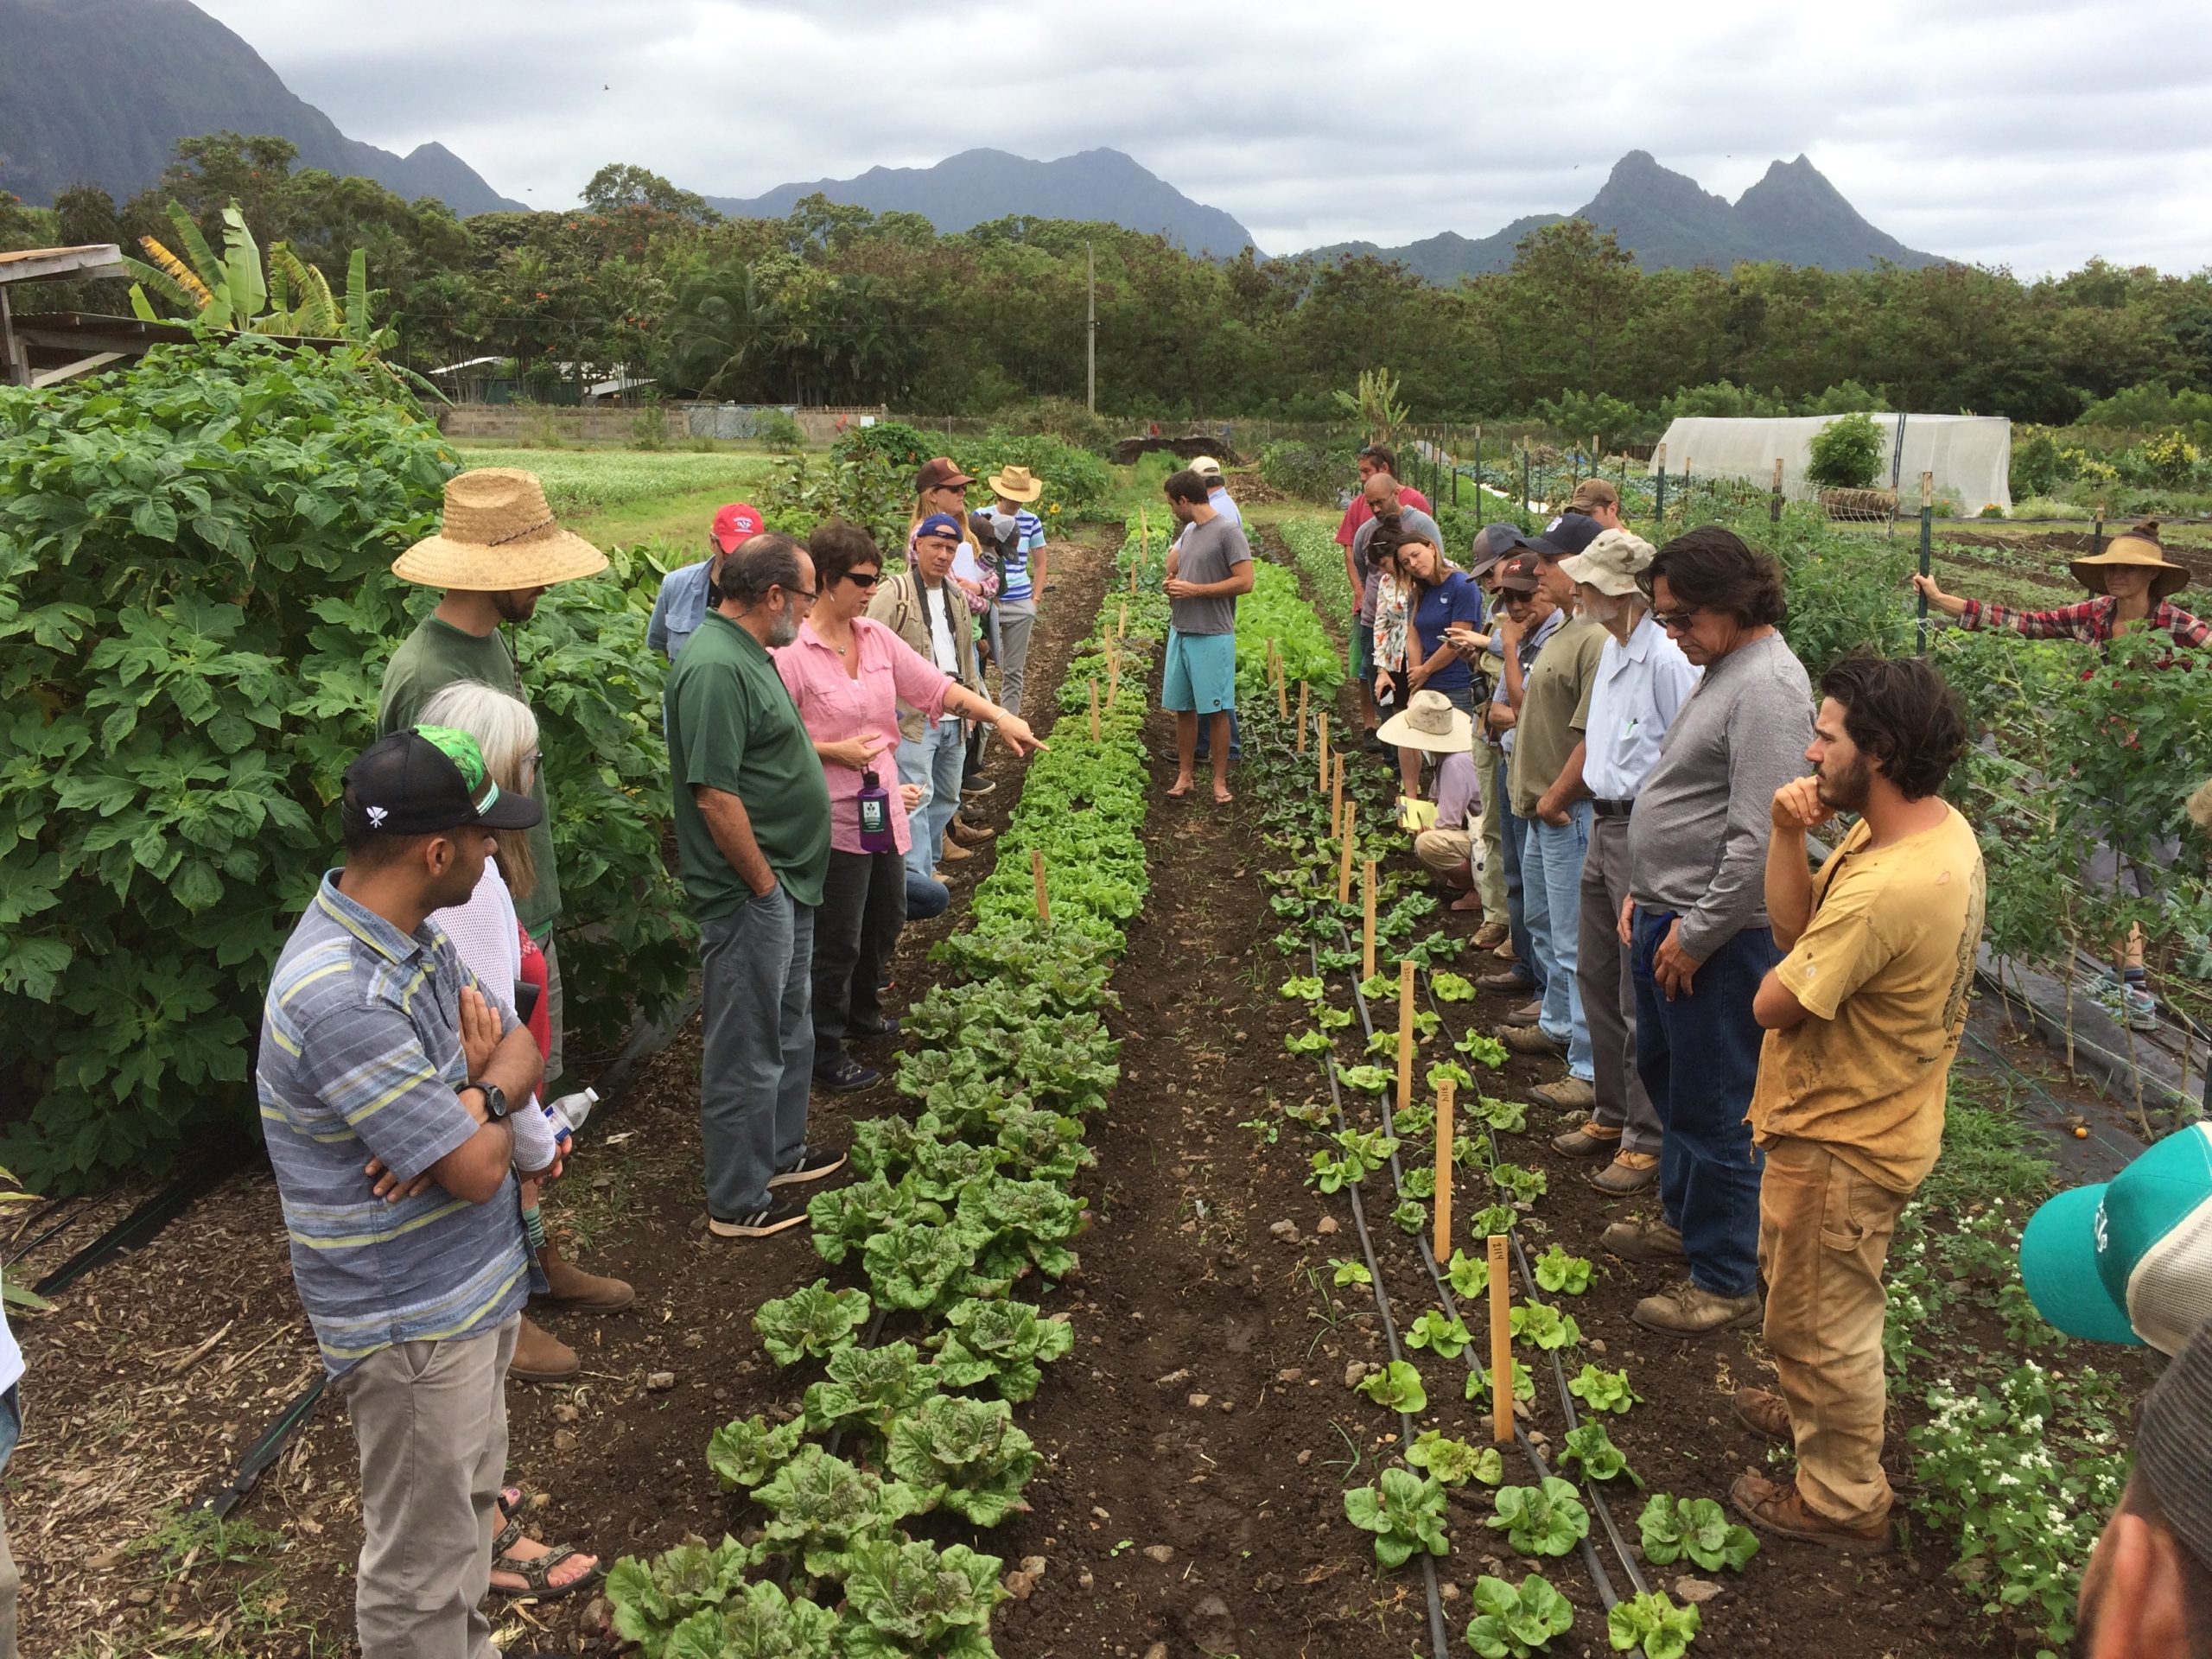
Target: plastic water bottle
[[568, 1114], [876, 834]]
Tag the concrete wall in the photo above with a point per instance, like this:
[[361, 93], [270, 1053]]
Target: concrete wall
[[732, 421]]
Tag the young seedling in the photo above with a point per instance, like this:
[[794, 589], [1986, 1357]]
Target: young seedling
[[1602, 1391], [1404, 1512], [1448, 1338], [1697, 1528], [1592, 1449], [1455, 1462], [1396, 1385], [1558, 1271], [1545, 1325], [1545, 1520], [1652, 1623], [1517, 1622]]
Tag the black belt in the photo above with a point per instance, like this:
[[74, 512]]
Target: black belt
[[1612, 809]]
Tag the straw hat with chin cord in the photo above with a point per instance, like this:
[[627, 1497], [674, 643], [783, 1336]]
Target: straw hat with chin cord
[[498, 535], [2138, 547]]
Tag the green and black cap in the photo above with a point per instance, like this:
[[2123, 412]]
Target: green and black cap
[[426, 779]]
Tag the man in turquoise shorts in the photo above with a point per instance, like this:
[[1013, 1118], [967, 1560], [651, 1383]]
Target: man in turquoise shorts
[[1210, 566]]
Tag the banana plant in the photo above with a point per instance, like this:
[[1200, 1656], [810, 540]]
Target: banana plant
[[238, 292]]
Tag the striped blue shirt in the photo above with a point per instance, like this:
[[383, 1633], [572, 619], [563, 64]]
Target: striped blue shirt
[[1028, 538], [360, 1058]]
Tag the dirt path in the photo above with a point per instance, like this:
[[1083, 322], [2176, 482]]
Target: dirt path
[[151, 1378]]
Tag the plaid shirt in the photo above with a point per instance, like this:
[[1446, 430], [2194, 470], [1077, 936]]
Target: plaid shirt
[[2092, 621]]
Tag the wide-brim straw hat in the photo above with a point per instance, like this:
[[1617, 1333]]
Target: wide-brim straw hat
[[498, 534], [1015, 484], [2135, 548], [1430, 723]]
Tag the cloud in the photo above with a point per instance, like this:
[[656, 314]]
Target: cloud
[[2032, 135]]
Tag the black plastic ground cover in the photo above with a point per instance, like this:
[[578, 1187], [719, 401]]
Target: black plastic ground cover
[[138, 1229]]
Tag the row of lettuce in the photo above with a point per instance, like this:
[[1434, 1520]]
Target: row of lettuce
[[961, 1214]]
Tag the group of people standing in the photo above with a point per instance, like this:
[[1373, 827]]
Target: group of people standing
[[824, 724], [1763, 1047]]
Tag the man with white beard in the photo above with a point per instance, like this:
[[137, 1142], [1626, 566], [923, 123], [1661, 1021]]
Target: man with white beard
[[1643, 679]]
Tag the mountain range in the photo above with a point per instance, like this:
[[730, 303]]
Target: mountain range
[[1792, 216], [98, 92], [979, 185]]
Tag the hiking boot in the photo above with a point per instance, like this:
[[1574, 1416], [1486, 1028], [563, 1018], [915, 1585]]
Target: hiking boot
[[954, 852], [1530, 1039], [812, 1164], [1587, 1141], [777, 1216], [1688, 1309], [1504, 951], [1490, 935], [1767, 1412], [1643, 1241], [1629, 1173], [1777, 1507], [1570, 1094], [975, 789], [541, 1357], [1506, 979], [887, 1027], [971, 833], [1527, 1014], [570, 1286]]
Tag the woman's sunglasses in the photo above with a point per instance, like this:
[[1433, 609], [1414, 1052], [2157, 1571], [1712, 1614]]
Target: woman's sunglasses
[[860, 579]]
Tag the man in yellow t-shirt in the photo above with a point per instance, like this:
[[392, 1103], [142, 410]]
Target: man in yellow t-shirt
[[1863, 1015]]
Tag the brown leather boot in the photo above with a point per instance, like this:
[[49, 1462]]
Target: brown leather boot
[[971, 834], [1777, 1506], [541, 1357], [1767, 1412], [1587, 1141], [571, 1287], [1688, 1309]]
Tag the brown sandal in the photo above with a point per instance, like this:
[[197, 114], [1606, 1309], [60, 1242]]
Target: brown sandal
[[536, 1572]]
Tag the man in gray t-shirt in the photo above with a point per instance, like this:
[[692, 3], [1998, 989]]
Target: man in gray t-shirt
[[1209, 566]]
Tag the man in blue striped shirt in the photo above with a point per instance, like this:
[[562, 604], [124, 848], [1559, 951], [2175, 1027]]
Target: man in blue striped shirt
[[1020, 536], [385, 1079]]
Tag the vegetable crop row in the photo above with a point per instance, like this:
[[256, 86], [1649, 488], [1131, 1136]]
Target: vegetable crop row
[[956, 1214]]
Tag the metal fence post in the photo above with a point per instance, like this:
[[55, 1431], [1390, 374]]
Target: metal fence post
[[1660, 458], [1774, 505], [1527, 512], [1927, 546]]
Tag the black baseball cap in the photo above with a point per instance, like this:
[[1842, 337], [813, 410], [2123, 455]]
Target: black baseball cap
[[425, 779], [1569, 534]]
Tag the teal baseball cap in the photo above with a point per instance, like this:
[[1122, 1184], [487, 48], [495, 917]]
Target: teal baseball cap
[[2131, 1259]]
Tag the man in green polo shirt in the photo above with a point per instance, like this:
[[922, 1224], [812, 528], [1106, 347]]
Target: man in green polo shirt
[[753, 836]]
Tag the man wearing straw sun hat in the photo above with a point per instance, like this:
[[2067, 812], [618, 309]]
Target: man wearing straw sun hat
[[1429, 722], [497, 551]]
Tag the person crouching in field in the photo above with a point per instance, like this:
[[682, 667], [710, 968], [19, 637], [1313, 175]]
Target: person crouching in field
[[1863, 1016]]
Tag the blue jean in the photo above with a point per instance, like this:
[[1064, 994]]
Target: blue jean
[[756, 1050], [1513, 831], [1699, 1057], [1551, 875], [933, 762], [926, 896]]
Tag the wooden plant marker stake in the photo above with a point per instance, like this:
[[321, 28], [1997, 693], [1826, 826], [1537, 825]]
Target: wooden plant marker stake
[[1301, 716], [1037, 875], [1094, 707], [1144, 537], [1121, 624], [1282, 687], [1113, 674], [1343, 867], [1405, 1033], [1321, 743], [1443, 1240], [1367, 920], [1501, 1344], [1337, 796]]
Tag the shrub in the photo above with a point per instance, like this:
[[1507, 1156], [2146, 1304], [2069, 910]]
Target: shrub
[[194, 586], [2037, 467], [1074, 480], [1063, 418], [1847, 398], [1847, 454], [1304, 471], [1612, 420], [773, 429]]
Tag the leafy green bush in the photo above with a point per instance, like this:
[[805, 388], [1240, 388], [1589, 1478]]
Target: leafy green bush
[[1075, 479], [1847, 454], [1306, 472], [1063, 418]]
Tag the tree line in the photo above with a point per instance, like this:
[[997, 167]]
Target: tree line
[[836, 304]]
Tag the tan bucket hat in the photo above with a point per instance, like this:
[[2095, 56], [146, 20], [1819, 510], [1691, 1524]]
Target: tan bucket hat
[[498, 535], [2139, 546], [1015, 484], [1610, 563], [1430, 723]]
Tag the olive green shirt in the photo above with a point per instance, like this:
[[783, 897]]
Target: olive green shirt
[[433, 657], [732, 726], [1555, 711]]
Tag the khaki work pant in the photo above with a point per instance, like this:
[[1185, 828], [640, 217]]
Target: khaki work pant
[[1445, 851], [1824, 1233], [430, 1418]]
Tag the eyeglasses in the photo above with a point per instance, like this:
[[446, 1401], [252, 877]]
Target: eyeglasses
[[529, 764], [809, 595], [1677, 621], [864, 581]]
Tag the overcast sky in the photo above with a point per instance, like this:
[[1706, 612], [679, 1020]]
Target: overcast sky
[[2018, 132]]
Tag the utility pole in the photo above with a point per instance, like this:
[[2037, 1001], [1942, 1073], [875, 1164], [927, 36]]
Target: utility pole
[[1091, 307]]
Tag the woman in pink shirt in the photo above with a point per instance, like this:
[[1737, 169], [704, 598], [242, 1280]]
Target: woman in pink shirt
[[849, 675]]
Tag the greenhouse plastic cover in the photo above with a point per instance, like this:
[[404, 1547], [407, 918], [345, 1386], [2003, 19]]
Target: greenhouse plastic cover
[[1970, 455]]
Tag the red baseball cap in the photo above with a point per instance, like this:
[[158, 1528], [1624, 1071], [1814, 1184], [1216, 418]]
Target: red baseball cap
[[735, 524]]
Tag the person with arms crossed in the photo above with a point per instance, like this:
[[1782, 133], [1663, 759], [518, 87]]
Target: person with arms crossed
[[1208, 568], [752, 840], [1863, 1016], [395, 1101], [1695, 922]]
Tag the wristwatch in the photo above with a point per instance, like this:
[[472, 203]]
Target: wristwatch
[[495, 1100]]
